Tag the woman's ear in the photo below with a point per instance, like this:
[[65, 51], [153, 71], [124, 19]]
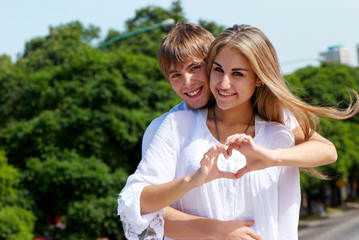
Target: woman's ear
[[259, 82]]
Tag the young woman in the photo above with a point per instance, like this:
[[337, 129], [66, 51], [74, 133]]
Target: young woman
[[184, 166]]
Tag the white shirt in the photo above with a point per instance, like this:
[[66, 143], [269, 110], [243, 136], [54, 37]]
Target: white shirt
[[155, 124], [270, 197], [289, 121]]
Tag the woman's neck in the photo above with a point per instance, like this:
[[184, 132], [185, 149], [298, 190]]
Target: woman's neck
[[235, 116], [224, 123]]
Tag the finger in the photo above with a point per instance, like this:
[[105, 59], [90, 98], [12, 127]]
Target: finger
[[225, 153], [247, 223], [231, 147], [228, 175], [255, 235], [204, 160], [236, 144], [240, 173], [222, 149], [233, 138]]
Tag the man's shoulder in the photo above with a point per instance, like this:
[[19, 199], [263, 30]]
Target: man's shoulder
[[174, 115], [158, 121], [179, 107]]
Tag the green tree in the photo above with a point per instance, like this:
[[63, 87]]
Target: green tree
[[211, 26], [146, 43], [330, 85], [15, 222], [73, 121]]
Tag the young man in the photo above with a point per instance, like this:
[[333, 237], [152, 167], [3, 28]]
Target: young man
[[181, 57]]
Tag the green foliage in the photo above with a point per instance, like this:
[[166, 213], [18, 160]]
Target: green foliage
[[328, 85], [73, 119], [73, 116], [15, 221], [93, 217], [146, 43], [9, 179], [212, 27], [71, 175]]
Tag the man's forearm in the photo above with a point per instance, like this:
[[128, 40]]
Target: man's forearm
[[317, 151], [181, 225]]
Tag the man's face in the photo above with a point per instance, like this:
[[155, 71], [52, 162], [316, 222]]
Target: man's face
[[190, 81]]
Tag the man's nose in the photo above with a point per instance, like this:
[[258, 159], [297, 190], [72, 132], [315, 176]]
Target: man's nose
[[188, 79]]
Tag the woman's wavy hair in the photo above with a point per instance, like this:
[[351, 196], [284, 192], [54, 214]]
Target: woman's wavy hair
[[273, 97]]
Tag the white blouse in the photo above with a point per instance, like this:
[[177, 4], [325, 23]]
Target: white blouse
[[270, 197]]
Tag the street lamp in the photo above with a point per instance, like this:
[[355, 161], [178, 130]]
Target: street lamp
[[166, 22]]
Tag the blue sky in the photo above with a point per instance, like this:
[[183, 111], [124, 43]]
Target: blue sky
[[299, 30]]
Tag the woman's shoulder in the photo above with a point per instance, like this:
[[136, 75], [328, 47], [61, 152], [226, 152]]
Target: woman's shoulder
[[269, 125], [274, 132]]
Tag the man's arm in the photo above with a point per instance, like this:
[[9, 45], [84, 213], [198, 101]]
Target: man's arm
[[317, 151], [181, 225]]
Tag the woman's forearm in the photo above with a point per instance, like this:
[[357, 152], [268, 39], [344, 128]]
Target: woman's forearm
[[156, 197]]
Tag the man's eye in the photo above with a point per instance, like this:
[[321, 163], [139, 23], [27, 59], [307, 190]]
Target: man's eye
[[175, 75], [195, 67]]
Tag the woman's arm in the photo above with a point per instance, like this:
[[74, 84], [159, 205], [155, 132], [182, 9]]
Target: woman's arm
[[156, 197]]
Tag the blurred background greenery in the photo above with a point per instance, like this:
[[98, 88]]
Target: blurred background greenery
[[72, 118]]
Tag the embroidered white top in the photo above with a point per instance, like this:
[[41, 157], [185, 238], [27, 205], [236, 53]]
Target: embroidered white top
[[270, 197]]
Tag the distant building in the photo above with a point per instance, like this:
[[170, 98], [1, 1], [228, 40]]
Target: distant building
[[337, 54]]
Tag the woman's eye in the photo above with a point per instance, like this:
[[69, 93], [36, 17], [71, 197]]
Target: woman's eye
[[238, 74], [218, 69]]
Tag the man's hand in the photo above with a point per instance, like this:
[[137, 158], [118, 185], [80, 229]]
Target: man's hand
[[236, 230]]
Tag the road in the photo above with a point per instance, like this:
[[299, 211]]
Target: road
[[343, 226]]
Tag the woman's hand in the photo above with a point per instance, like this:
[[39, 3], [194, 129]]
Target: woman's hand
[[209, 169], [257, 157]]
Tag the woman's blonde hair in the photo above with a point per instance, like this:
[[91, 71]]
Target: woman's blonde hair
[[273, 98]]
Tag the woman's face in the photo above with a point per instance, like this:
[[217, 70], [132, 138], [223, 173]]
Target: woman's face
[[232, 79]]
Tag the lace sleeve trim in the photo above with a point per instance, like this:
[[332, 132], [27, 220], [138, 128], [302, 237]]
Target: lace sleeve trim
[[154, 231]]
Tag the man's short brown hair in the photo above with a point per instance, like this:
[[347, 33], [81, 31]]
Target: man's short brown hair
[[185, 42]]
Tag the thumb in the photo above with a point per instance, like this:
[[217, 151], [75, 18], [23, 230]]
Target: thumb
[[242, 171]]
